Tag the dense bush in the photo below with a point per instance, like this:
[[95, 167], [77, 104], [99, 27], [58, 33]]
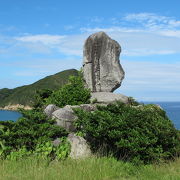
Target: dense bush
[[30, 131], [73, 93], [34, 132], [137, 133], [41, 98], [130, 132]]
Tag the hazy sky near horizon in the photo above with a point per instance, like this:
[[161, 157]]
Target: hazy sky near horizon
[[43, 37]]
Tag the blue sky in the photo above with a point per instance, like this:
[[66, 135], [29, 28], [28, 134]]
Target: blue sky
[[42, 37]]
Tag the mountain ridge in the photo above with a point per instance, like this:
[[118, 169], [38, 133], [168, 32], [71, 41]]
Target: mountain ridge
[[25, 95]]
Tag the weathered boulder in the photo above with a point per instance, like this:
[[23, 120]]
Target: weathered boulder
[[65, 117], [50, 109], [79, 147], [101, 67], [108, 97]]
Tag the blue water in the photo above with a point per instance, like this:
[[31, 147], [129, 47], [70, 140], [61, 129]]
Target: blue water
[[172, 109], [9, 115]]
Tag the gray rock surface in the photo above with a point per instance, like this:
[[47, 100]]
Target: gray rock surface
[[65, 118], [108, 97], [101, 67], [79, 147], [86, 107], [50, 109]]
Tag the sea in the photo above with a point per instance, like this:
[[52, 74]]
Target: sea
[[172, 109], [9, 115]]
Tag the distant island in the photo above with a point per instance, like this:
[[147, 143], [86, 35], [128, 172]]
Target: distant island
[[24, 96]]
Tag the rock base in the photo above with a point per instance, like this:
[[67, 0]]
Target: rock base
[[79, 147], [108, 97]]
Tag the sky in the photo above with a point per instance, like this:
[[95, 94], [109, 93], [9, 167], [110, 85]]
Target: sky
[[42, 37]]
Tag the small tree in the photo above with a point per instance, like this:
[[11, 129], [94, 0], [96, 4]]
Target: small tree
[[73, 93]]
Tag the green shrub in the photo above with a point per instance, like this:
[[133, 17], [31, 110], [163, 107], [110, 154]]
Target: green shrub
[[41, 97], [48, 150], [73, 93], [32, 129], [44, 150], [33, 133], [135, 132], [141, 133], [18, 154], [63, 150]]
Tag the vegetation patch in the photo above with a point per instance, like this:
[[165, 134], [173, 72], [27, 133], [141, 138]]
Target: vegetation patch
[[33, 133], [72, 93], [86, 169], [137, 133]]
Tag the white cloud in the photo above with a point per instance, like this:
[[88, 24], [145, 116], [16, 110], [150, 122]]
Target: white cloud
[[42, 38], [142, 34], [142, 43], [151, 34], [171, 33], [153, 21], [151, 17], [44, 43], [110, 30]]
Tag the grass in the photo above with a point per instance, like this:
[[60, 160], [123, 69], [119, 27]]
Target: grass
[[87, 169]]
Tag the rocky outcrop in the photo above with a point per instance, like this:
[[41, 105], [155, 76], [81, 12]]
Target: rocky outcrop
[[65, 116], [108, 97], [79, 147], [101, 67], [103, 74], [50, 109]]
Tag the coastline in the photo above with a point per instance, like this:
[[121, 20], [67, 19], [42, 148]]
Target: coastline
[[15, 107]]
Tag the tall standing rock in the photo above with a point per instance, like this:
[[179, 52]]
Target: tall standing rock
[[101, 67]]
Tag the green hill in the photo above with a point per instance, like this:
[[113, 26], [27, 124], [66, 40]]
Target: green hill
[[25, 94]]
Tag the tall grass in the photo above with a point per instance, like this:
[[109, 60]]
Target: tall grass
[[87, 169]]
